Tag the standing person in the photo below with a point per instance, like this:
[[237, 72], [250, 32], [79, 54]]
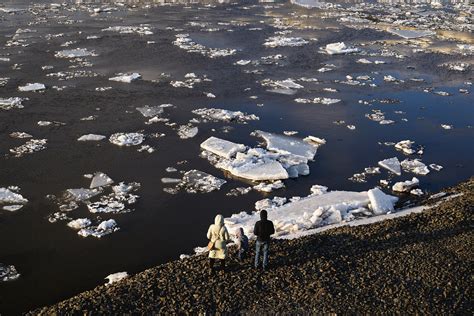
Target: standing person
[[218, 238], [242, 242], [263, 230]]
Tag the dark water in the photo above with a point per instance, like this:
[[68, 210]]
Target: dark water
[[55, 263]]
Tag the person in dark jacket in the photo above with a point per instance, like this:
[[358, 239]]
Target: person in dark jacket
[[263, 230], [242, 242]]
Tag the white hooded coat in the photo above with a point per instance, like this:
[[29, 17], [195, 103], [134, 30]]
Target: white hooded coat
[[218, 234]]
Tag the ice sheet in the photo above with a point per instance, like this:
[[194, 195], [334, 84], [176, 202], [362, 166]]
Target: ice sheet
[[222, 147], [391, 164]]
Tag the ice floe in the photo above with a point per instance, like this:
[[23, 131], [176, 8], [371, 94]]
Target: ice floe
[[392, 165], [184, 42], [30, 147], [410, 34], [213, 114], [127, 78], [414, 166], [406, 186], [8, 273], [116, 277], [74, 53], [187, 131], [339, 48], [195, 181], [318, 100], [32, 87], [282, 41], [79, 223], [127, 139], [100, 179], [7, 196], [91, 137], [11, 103], [140, 30], [222, 147], [104, 228], [269, 187]]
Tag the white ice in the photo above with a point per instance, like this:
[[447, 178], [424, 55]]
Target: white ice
[[406, 186], [79, 223], [9, 197], [74, 53], [415, 166], [380, 203], [339, 48], [127, 78], [409, 34], [32, 87], [127, 139], [11, 103], [103, 229], [391, 164], [289, 145], [100, 179], [91, 137], [115, 277], [222, 147]]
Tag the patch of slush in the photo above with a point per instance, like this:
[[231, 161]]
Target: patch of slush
[[116, 277], [12, 103], [8, 273], [74, 53], [127, 77], [127, 139], [32, 87], [184, 42], [410, 34]]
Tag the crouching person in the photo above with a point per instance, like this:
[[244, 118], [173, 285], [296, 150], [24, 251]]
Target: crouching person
[[242, 243], [218, 238]]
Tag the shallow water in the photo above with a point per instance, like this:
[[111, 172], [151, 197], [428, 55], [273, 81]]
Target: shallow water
[[55, 263]]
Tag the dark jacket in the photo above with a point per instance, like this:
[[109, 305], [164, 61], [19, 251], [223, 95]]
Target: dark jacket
[[242, 240], [263, 228]]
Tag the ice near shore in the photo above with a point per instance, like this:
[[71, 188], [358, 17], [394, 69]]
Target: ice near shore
[[315, 210]]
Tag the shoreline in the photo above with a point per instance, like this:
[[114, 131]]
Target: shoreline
[[419, 263]]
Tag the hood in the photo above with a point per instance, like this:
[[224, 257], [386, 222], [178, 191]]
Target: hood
[[263, 215], [240, 232], [219, 220]]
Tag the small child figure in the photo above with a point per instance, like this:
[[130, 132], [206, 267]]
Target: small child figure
[[242, 242]]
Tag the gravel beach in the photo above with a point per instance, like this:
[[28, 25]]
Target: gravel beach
[[418, 264]]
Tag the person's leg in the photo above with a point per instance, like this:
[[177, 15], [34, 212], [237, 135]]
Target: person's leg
[[257, 252], [241, 252], [265, 255], [211, 265], [223, 265]]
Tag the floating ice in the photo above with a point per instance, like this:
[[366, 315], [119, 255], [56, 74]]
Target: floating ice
[[74, 53], [81, 194], [339, 48], [380, 203], [222, 147], [318, 189], [12, 208], [269, 187], [446, 126], [8, 273], [115, 277], [406, 147], [183, 41], [406, 186], [281, 41], [289, 145], [415, 166], [141, 30], [214, 114], [91, 137], [20, 135], [127, 139], [187, 131], [9, 197], [417, 192], [100, 179], [436, 167], [103, 229], [32, 87], [195, 181], [410, 34], [269, 204], [79, 223], [31, 146], [127, 78], [391, 164], [318, 100], [11, 103], [150, 111]]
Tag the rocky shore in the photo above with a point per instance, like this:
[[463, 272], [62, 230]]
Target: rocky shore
[[420, 263]]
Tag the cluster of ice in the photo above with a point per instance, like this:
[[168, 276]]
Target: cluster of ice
[[338, 48], [79, 223], [378, 116], [361, 177], [315, 210], [141, 30], [127, 78], [11, 103], [318, 100], [406, 146], [117, 201], [115, 277], [127, 139], [11, 200], [8, 273], [287, 86], [183, 41], [30, 147], [213, 114], [269, 187], [190, 79], [32, 87], [282, 41], [104, 228], [194, 181], [285, 156], [74, 53]]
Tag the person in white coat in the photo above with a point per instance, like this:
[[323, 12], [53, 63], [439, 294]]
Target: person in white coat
[[218, 238]]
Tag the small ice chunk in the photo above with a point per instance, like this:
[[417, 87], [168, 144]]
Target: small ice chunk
[[446, 126], [187, 131], [91, 138], [82, 194], [127, 139], [381, 203], [9, 197], [289, 145], [127, 78], [339, 48], [318, 189], [195, 181], [170, 180], [391, 164], [436, 167], [79, 223], [11, 103], [281, 41], [74, 53], [8, 273], [32, 87], [410, 34], [222, 147], [150, 111], [214, 114], [406, 186], [417, 192], [100, 179], [415, 166], [115, 277], [104, 228], [269, 187], [12, 208]]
